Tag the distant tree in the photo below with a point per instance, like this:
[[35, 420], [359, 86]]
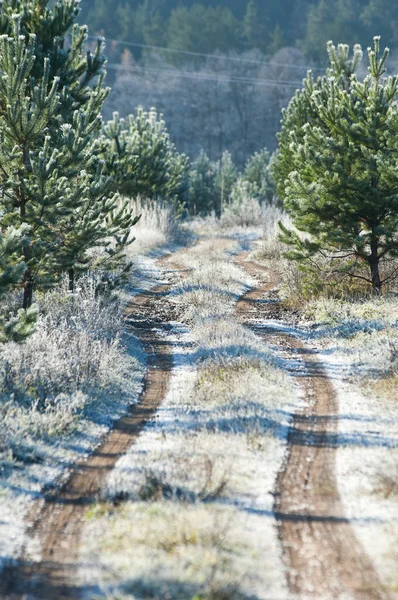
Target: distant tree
[[382, 16], [226, 176], [276, 40], [257, 172], [337, 168], [150, 22], [202, 196], [338, 20], [202, 29], [256, 27], [148, 162]]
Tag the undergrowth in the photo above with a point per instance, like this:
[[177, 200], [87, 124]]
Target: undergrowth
[[74, 356]]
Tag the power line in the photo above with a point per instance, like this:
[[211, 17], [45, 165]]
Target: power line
[[203, 55], [208, 76]]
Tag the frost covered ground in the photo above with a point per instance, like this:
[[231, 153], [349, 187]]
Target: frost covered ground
[[198, 520], [40, 443], [63, 389], [188, 512], [358, 343]]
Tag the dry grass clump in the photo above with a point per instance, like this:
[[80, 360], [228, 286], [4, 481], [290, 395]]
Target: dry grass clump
[[179, 554], [333, 311], [75, 356], [157, 226], [271, 248], [244, 212], [386, 481]]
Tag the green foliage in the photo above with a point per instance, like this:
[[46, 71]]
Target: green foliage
[[215, 186], [231, 25], [226, 175], [198, 26], [337, 168], [255, 25], [258, 173], [202, 193], [12, 268], [148, 162], [53, 180], [202, 29]]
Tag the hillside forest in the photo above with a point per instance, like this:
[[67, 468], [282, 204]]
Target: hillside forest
[[221, 72]]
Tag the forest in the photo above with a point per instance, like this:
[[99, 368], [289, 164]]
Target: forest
[[232, 25], [221, 73], [198, 301]]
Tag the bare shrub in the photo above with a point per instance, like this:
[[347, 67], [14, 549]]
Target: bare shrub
[[75, 348], [157, 226]]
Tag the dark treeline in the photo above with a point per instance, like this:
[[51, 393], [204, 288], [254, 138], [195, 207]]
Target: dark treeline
[[240, 25], [250, 57]]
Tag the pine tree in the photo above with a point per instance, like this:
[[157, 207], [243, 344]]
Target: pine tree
[[255, 26], [337, 167], [202, 195], [25, 116], [276, 40], [226, 176], [257, 172], [53, 178], [13, 327], [148, 162]]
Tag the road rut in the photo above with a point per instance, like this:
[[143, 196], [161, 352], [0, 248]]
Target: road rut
[[56, 520], [323, 558]]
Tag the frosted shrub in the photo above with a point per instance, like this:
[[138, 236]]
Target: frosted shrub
[[271, 246], [158, 224], [83, 311], [243, 210], [74, 356], [75, 346]]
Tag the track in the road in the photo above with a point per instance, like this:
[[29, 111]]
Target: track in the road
[[323, 558], [56, 522]]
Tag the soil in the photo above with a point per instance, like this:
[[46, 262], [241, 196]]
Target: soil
[[322, 556], [56, 520], [321, 553]]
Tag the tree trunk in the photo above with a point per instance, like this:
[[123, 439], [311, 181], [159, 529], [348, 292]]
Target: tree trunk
[[28, 290], [374, 267], [71, 275], [28, 281], [28, 277]]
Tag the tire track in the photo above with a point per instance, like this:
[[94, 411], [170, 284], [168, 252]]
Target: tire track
[[323, 558], [56, 520]]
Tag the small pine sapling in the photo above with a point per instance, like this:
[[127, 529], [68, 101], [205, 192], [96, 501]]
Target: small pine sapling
[[337, 168]]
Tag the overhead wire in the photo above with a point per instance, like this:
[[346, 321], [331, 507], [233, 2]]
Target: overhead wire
[[207, 76], [205, 55]]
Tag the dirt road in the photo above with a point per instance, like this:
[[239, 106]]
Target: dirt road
[[323, 558], [56, 521]]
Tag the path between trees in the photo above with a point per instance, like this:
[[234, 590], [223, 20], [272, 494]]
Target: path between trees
[[322, 556], [56, 521]]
